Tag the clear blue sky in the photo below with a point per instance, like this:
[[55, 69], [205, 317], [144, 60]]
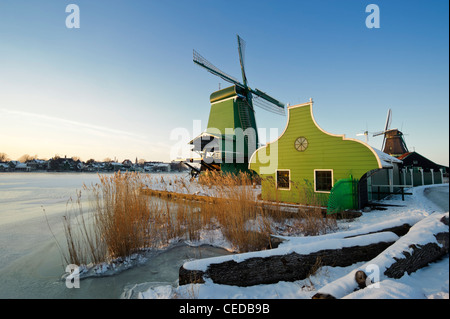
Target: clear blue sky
[[121, 83]]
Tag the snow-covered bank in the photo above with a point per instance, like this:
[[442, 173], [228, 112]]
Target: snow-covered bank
[[429, 282], [421, 233]]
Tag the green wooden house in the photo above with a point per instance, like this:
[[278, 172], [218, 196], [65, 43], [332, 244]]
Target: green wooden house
[[308, 165]]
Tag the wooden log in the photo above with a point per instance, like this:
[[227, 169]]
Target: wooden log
[[399, 227], [421, 256], [281, 265], [398, 230], [426, 242]]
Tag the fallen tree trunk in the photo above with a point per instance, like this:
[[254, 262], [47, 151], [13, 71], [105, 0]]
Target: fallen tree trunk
[[285, 263], [426, 242], [420, 256], [399, 226]]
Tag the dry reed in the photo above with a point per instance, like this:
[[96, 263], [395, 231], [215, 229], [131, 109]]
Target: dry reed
[[124, 219]]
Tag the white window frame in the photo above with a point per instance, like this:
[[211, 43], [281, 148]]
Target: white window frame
[[332, 179], [276, 179]]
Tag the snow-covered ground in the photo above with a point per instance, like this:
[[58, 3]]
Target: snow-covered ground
[[431, 282]]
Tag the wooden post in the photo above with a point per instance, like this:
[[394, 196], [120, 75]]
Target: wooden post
[[432, 175], [391, 180], [412, 177], [421, 174]]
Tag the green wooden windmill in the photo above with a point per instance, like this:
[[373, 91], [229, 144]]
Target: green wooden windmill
[[231, 136]]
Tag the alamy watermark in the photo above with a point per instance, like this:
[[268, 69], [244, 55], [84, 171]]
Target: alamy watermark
[[73, 278], [73, 19], [373, 276], [373, 19], [230, 145]]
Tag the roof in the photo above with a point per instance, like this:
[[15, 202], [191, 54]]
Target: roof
[[207, 136], [385, 159], [403, 156], [418, 160]]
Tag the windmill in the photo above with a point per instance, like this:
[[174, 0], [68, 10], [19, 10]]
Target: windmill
[[393, 141], [231, 136], [366, 134]]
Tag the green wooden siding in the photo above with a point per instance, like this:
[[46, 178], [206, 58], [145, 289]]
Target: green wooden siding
[[345, 157], [225, 118], [223, 115]]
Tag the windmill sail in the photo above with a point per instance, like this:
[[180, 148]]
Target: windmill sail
[[241, 49], [386, 128], [232, 110], [214, 70], [261, 100], [265, 104]]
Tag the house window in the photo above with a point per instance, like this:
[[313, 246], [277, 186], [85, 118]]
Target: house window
[[323, 180], [283, 179]]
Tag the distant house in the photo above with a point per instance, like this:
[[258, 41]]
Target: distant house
[[117, 166], [127, 163], [4, 167], [63, 164], [415, 160], [162, 167], [37, 164], [307, 165], [156, 167], [95, 167], [19, 167]]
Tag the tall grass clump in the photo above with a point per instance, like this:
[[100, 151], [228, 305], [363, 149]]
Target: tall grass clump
[[121, 220], [124, 217], [84, 242], [243, 222], [116, 225]]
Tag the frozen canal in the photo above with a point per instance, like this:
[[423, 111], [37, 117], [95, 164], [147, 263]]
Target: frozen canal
[[31, 265]]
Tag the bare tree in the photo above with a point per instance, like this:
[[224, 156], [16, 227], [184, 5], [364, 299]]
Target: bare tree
[[26, 158], [4, 157]]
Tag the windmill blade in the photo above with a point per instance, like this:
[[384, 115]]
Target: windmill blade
[[266, 102], [268, 98], [366, 134], [387, 125], [384, 141], [388, 120], [241, 49], [198, 59], [378, 133], [266, 105]]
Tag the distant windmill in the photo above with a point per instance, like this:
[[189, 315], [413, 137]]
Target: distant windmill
[[393, 141], [366, 134]]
